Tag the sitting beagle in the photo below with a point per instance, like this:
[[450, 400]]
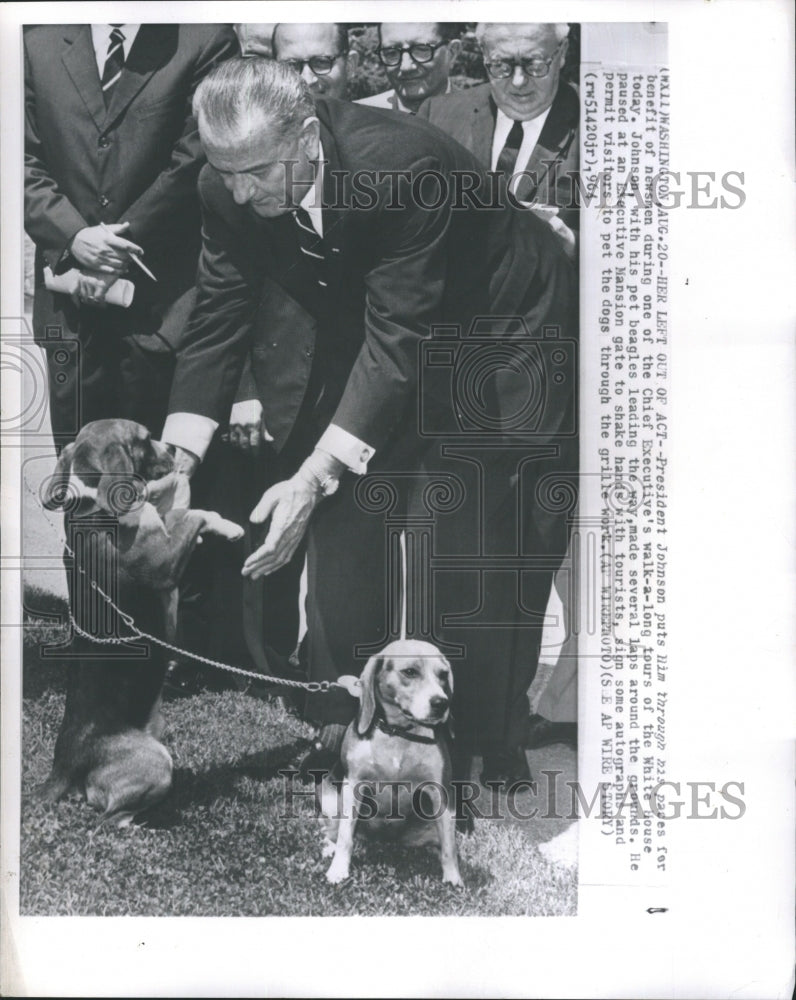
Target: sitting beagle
[[396, 766], [115, 475]]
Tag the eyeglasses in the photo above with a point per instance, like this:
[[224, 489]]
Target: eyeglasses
[[420, 52], [320, 65], [501, 69]]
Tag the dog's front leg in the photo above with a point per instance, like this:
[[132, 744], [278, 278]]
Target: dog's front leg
[[339, 868], [446, 830], [215, 524]]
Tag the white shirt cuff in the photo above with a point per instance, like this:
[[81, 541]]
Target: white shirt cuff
[[190, 431], [346, 448]]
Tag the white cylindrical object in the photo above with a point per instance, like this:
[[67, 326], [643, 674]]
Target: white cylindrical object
[[120, 293]]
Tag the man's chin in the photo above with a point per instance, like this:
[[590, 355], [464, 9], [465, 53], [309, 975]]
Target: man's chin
[[268, 209]]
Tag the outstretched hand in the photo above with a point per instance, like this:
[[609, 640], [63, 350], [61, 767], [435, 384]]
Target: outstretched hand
[[289, 504]]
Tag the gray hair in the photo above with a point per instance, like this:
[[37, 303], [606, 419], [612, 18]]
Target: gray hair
[[228, 96], [560, 30]]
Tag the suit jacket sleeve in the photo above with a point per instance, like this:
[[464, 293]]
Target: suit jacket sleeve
[[403, 294], [51, 220], [217, 340], [173, 191]]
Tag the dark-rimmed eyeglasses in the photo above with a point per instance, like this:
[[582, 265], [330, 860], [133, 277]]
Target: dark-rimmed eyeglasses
[[320, 65], [502, 69], [419, 52]]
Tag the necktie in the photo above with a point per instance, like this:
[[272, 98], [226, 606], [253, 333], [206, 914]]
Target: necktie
[[311, 245], [507, 159], [114, 61]]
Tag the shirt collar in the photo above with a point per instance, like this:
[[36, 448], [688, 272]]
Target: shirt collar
[[402, 107], [312, 202]]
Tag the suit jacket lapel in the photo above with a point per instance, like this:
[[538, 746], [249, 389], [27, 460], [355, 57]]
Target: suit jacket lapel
[[482, 125], [81, 65], [336, 195], [153, 46], [555, 139]]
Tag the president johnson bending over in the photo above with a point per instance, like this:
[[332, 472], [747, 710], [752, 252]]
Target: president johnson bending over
[[325, 257]]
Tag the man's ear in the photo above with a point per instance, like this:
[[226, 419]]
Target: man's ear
[[310, 136], [563, 54], [367, 704], [351, 61]]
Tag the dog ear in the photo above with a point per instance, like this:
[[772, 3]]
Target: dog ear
[[449, 729], [120, 489], [367, 701], [57, 492]]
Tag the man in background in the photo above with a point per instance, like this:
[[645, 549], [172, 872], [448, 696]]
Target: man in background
[[319, 53], [112, 157], [417, 59], [524, 121]]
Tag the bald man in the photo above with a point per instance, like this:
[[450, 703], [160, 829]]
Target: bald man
[[319, 53], [524, 121]]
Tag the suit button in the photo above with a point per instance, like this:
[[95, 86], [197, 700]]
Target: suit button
[[309, 352], [104, 142], [104, 201]]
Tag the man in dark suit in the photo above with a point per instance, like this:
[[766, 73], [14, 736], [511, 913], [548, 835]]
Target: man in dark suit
[[316, 214], [112, 156], [524, 121]]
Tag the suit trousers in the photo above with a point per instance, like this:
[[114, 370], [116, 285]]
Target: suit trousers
[[95, 374]]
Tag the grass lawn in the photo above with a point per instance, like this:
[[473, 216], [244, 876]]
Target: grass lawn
[[222, 844]]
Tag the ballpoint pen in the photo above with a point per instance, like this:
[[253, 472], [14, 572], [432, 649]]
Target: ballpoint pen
[[134, 257]]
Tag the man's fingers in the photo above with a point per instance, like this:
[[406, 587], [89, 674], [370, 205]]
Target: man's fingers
[[253, 437], [119, 243], [264, 508], [117, 227], [236, 438]]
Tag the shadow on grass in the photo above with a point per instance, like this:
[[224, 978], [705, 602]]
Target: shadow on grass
[[191, 789]]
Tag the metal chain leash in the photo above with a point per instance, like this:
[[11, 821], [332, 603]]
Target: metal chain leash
[[137, 633]]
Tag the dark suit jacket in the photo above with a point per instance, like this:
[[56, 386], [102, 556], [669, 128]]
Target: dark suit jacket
[[394, 272], [469, 116], [138, 161]]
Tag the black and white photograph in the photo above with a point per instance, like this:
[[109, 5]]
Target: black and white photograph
[[357, 556]]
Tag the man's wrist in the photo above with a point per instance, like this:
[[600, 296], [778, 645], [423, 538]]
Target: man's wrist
[[185, 461], [322, 471]]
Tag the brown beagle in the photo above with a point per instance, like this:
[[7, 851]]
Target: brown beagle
[[396, 765], [108, 743]]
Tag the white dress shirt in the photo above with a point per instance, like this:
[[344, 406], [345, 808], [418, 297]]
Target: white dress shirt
[[531, 130], [194, 432], [101, 37]]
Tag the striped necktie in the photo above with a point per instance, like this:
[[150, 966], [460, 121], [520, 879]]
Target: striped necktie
[[507, 158], [114, 61], [311, 245]]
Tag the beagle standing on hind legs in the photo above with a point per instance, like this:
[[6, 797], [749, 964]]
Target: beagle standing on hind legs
[[396, 761], [138, 533]]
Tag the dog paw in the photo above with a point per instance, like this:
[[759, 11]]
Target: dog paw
[[218, 525], [328, 849], [336, 874], [454, 879]]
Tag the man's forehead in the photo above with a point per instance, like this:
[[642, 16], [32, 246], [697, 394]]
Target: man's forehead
[[408, 32], [306, 39], [520, 37], [236, 148]]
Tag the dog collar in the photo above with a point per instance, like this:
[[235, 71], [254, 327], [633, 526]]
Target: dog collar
[[403, 734]]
